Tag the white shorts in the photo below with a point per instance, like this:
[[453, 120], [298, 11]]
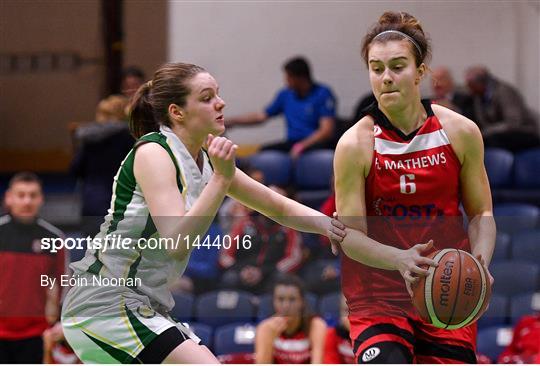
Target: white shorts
[[112, 324]]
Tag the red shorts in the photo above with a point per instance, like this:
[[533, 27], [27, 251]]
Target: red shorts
[[408, 339]]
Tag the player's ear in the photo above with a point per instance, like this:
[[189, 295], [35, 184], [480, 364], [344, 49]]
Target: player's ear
[[420, 72], [176, 113]]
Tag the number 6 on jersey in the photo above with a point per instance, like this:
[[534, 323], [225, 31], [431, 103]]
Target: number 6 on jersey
[[406, 185]]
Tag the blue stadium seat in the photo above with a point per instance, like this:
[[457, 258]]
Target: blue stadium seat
[[513, 217], [218, 308], [313, 170], [499, 166], [204, 332], [502, 247], [275, 165], [493, 340], [313, 175], [329, 306], [234, 338], [526, 169], [183, 307], [514, 277], [497, 312], [266, 308], [523, 305], [526, 246]]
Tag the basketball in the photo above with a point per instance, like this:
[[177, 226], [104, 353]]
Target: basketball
[[454, 294]]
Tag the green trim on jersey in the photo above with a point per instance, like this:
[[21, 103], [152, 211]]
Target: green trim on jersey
[[145, 334], [117, 354], [124, 187]]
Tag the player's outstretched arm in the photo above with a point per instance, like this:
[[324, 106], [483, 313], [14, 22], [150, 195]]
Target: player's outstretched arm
[[281, 209], [352, 162], [156, 175]]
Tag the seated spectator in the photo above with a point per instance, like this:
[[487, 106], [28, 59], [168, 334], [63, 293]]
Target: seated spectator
[[309, 109], [337, 345], [274, 249], [293, 335], [27, 307], [231, 211], [132, 78], [322, 271], [525, 345], [202, 273], [500, 112], [446, 94], [101, 147]]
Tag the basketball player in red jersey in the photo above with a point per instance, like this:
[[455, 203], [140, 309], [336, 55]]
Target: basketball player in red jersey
[[401, 173]]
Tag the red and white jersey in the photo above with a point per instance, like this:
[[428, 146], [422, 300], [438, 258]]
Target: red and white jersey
[[412, 195], [295, 348]]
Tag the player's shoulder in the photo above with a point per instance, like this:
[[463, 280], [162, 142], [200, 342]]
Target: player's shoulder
[[359, 135]]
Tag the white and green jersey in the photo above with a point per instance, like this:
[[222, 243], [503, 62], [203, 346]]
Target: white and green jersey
[[129, 218]]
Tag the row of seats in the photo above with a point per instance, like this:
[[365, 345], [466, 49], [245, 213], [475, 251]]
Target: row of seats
[[507, 310], [311, 173], [217, 308], [227, 339], [513, 178], [521, 246]]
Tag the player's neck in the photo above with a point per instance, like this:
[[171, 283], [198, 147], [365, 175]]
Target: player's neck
[[407, 119], [192, 143]]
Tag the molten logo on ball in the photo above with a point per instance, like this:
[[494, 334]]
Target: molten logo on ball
[[445, 282], [454, 294]]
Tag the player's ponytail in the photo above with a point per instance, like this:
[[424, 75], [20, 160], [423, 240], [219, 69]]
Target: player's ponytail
[[150, 105], [141, 119]]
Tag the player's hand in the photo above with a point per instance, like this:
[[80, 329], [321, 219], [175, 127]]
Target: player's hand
[[277, 325], [483, 263], [222, 153], [297, 150], [336, 233], [410, 262]]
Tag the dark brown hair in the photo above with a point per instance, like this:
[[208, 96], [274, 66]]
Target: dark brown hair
[[404, 23], [150, 105], [26, 177], [286, 279]]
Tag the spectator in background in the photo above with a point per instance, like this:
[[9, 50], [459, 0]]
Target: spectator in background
[[294, 334], [101, 147], [337, 345], [525, 345], [274, 249], [132, 78], [500, 111], [309, 109], [446, 94], [26, 307]]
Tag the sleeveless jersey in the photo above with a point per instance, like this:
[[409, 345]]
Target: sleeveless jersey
[[129, 218], [295, 348], [412, 195]]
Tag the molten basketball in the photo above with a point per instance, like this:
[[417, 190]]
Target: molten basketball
[[454, 294]]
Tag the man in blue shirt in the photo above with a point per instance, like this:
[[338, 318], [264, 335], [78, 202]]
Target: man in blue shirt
[[309, 110]]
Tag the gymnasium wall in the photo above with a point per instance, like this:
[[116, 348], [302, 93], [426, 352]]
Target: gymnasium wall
[[35, 108], [244, 45]]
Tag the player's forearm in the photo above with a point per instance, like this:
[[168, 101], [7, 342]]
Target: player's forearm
[[198, 219], [319, 136], [359, 247], [302, 218], [482, 234]]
